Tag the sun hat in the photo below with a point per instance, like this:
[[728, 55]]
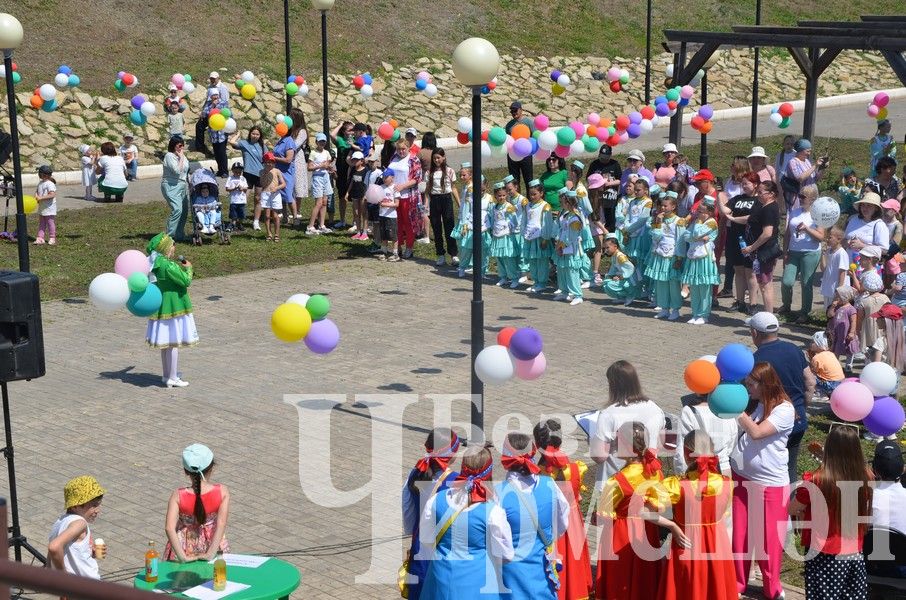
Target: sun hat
[[197, 458], [499, 185], [888, 460], [534, 183], [636, 155], [763, 322], [889, 311], [703, 175], [595, 181], [869, 198], [578, 164], [465, 165], [128, 136], [870, 252], [669, 148], [891, 204], [320, 137], [508, 179], [757, 152], [268, 157], [81, 490], [357, 155], [236, 165], [802, 144]]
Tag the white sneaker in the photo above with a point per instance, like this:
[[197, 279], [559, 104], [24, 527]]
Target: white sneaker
[[558, 291], [569, 297], [674, 315], [586, 285], [627, 301], [424, 240], [312, 231], [576, 301], [697, 321], [441, 261], [523, 279], [662, 313], [559, 296], [256, 225], [514, 285], [353, 229], [502, 282], [692, 320], [454, 261], [325, 230], [176, 383], [468, 271]]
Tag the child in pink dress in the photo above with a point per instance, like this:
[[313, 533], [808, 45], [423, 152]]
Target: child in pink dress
[[197, 516], [841, 324]]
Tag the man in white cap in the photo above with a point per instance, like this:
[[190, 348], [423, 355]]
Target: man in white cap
[[635, 165], [793, 370]]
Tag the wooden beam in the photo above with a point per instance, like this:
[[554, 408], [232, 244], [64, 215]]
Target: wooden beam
[[695, 63], [897, 63], [828, 39], [824, 60], [846, 29], [802, 59], [884, 18]]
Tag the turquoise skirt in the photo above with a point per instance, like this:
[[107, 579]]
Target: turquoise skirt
[[660, 268], [588, 240], [700, 271], [503, 247], [531, 249], [457, 233], [639, 247]]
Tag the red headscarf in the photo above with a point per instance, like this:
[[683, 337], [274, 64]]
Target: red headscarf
[[474, 481], [650, 463], [554, 459], [438, 460], [512, 461]]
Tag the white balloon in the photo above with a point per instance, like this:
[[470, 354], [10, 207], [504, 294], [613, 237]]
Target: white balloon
[[776, 118], [646, 125], [300, 299], [109, 291], [825, 212], [624, 73], [230, 126], [577, 148], [880, 378], [499, 151], [485, 149], [710, 358], [280, 117], [303, 90], [431, 90], [61, 79], [248, 76], [134, 81], [655, 120], [2, 71], [548, 140], [563, 80], [148, 109], [464, 125], [188, 87], [669, 71], [494, 366], [367, 91], [47, 92]]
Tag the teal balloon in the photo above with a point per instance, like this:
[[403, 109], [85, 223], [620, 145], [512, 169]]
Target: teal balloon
[[673, 95], [138, 282], [288, 120], [592, 144], [16, 77], [226, 112], [74, 80], [318, 306], [785, 123], [396, 135], [119, 85], [624, 79], [187, 77], [145, 304], [137, 117], [728, 400], [566, 136], [497, 136], [49, 105]]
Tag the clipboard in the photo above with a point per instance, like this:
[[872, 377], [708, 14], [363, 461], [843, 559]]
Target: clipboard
[[588, 421]]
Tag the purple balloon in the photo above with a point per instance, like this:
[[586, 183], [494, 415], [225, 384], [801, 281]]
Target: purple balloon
[[635, 117], [886, 417], [522, 147], [323, 336], [555, 75], [634, 130], [706, 112], [662, 109], [526, 344], [137, 101]]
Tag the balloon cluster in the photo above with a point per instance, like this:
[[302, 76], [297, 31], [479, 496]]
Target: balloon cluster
[[303, 317], [142, 108], [65, 77], [695, 82], [363, 84], [295, 84], [284, 122], [221, 119], [878, 107], [701, 121], [560, 82], [389, 131], [719, 377], [617, 78], [16, 76], [781, 116], [868, 399], [423, 83], [517, 352], [44, 98], [246, 85], [127, 286], [489, 87], [183, 82], [124, 80]]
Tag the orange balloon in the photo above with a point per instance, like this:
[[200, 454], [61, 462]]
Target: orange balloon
[[36, 101], [281, 129], [701, 376], [605, 123], [504, 335], [591, 130], [706, 128], [393, 123], [520, 131]]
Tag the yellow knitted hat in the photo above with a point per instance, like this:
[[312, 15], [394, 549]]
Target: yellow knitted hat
[[81, 490]]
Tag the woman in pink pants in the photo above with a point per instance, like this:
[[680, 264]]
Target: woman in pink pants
[[762, 481]]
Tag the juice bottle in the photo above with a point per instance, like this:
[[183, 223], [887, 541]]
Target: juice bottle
[[151, 560], [220, 579]]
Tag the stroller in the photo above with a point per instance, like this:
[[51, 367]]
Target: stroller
[[206, 213]]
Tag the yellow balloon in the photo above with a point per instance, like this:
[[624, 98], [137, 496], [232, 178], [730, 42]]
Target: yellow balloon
[[217, 122], [248, 91], [882, 113], [557, 89], [30, 204], [290, 322]]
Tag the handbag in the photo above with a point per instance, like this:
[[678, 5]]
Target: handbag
[[769, 251], [789, 184]]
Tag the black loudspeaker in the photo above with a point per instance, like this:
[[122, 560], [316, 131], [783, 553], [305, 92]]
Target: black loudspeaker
[[21, 336]]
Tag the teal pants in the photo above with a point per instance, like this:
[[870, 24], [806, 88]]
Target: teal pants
[[803, 265], [540, 270], [569, 281], [523, 265], [585, 273], [621, 289], [700, 300], [507, 268], [667, 294], [465, 255]]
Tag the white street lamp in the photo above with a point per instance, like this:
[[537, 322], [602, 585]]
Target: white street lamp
[[10, 32], [322, 4], [475, 62]]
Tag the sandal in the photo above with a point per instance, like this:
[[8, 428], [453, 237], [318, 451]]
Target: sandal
[[270, 238], [276, 238]]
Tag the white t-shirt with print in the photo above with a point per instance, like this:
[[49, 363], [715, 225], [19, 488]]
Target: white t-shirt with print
[[765, 461], [389, 194], [836, 261], [612, 418], [47, 208], [317, 157], [435, 183], [237, 187], [125, 151]]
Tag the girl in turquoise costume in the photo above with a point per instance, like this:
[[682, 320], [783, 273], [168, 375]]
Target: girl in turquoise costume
[[502, 225], [569, 251], [585, 210], [635, 225], [664, 266], [520, 203], [537, 229], [173, 327], [621, 281], [538, 514], [462, 233], [700, 270], [469, 533]]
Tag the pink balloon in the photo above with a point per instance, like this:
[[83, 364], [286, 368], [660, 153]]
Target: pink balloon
[[594, 118], [529, 370], [881, 99], [542, 122], [873, 110], [624, 137], [561, 151], [509, 143], [541, 154], [578, 127], [131, 261], [602, 134], [613, 74], [851, 401], [178, 80], [687, 91]]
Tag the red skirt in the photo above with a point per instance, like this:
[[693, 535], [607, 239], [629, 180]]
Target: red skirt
[[703, 571], [622, 575], [572, 549]]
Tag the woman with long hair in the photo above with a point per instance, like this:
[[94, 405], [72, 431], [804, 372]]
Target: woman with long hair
[[174, 185], [299, 185], [762, 249], [733, 186], [736, 213], [407, 174], [441, 192]]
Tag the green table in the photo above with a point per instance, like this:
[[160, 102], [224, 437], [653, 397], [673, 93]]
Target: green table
[[273, 579]]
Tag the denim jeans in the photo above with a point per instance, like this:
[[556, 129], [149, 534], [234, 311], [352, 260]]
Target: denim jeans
[[132, 167]]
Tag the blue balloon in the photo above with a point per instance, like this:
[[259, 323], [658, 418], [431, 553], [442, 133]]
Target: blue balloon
[[683, 102], [64, 70], [485, 89], [137, 117], [367, 78], [74, 80], [291, 79], [634, 130], [49, 105], [735, 362], [661, 109], [420, 84], [534, 143], [728, 400], [145, 304], [660, 100]]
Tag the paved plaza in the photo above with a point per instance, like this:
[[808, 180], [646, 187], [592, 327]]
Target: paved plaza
[[405, 336]]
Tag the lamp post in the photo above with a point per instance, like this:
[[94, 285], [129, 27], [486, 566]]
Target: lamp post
[[753, 133], [324, 6], [703, 153], [475, 63], [648, 54], [289, 99], [10, 38]]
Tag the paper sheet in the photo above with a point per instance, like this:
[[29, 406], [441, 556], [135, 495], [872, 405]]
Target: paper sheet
[[588, 421], [243, 560], [206, 591]]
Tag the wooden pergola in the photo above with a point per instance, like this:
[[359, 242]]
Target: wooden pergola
[[813, 45]]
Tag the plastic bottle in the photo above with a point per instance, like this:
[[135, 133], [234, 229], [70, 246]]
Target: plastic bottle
[[151, 563], [742, 243], [220, 577]]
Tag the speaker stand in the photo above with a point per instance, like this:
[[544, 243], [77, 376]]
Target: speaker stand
[[16, 539]]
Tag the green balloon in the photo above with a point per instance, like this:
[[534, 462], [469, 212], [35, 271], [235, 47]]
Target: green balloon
[[784, 123], [318, 306], [566, 136], [673, 95], [497, 136], [536, 134], [119, 85], [396, 135], [16, 77], [624, 79], [187, 77], [591, 143], [292, 89], [138, 282], [226, 112], [239, 84]]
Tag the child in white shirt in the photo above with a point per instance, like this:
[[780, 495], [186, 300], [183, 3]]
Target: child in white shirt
[[175, 123], [836, 265], [387, 219], [129, 152], [71, 547], [89, 176], [46, 195], [237, 186]]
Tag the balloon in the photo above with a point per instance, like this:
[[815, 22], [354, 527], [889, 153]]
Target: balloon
[[565, 136], [17, 78], [137, 117], [485, 149], [521, 130], [557, 89], [683, 102], [701, 376], [616, 86], [430, 90], [880, 378], [318, 306], [366, 77], [706, 112], [47, 92], [290, 322], [145, 303], [217, 122], [385, 131], [248, 91], [231, 126], [886, 417], [280, 129], [881, 99], [646, 125], [291, 89], [576, 148], [735, 362], [367, 91], [109, 291], [825, 212], [563, 80], [624, 78], [555, 75], [178, 80], [128, 79], [662, 110], [672, 95], [622, 122], [61, 79], [634, 130], [505, 335], [668, 71], [613, 74], [421, 84], [687, 91], [119, 85], [131, 261], [547, 140], [64, 69], [188, 87], [247, 76], [706, 127], [851, 401], [462, 138], [494, 366], [74, 80], [303, 90], [374, 194], [562, 151], [635, 117], [148, 109], [882, 113], [776, 118], [464, 125], [526, 343], [591, 144], [29, 204], [728, 400], [873, 110], [496, 136], [523, 147], [423, 76], [647, 112], [785, 109], [300, 299], [36, 101], [323, 337], [593, 118], [137, 101], [138, 282], [529, 370]]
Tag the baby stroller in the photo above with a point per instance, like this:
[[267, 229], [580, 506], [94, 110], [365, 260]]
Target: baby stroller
[[206, 214]]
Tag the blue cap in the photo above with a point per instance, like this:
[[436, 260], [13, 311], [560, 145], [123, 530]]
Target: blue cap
[[465, 165], [508, 179], [579, 165], [563, 190], [320, 137], [196, 458], [387, 173], [499, 185], [534, 183]]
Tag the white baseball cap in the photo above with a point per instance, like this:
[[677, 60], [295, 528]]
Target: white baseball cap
[[763, 322], [357, 155], [637, 155], [214, 75], [412, 130]]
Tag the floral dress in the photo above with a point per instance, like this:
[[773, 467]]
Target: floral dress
[[195, 538]]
